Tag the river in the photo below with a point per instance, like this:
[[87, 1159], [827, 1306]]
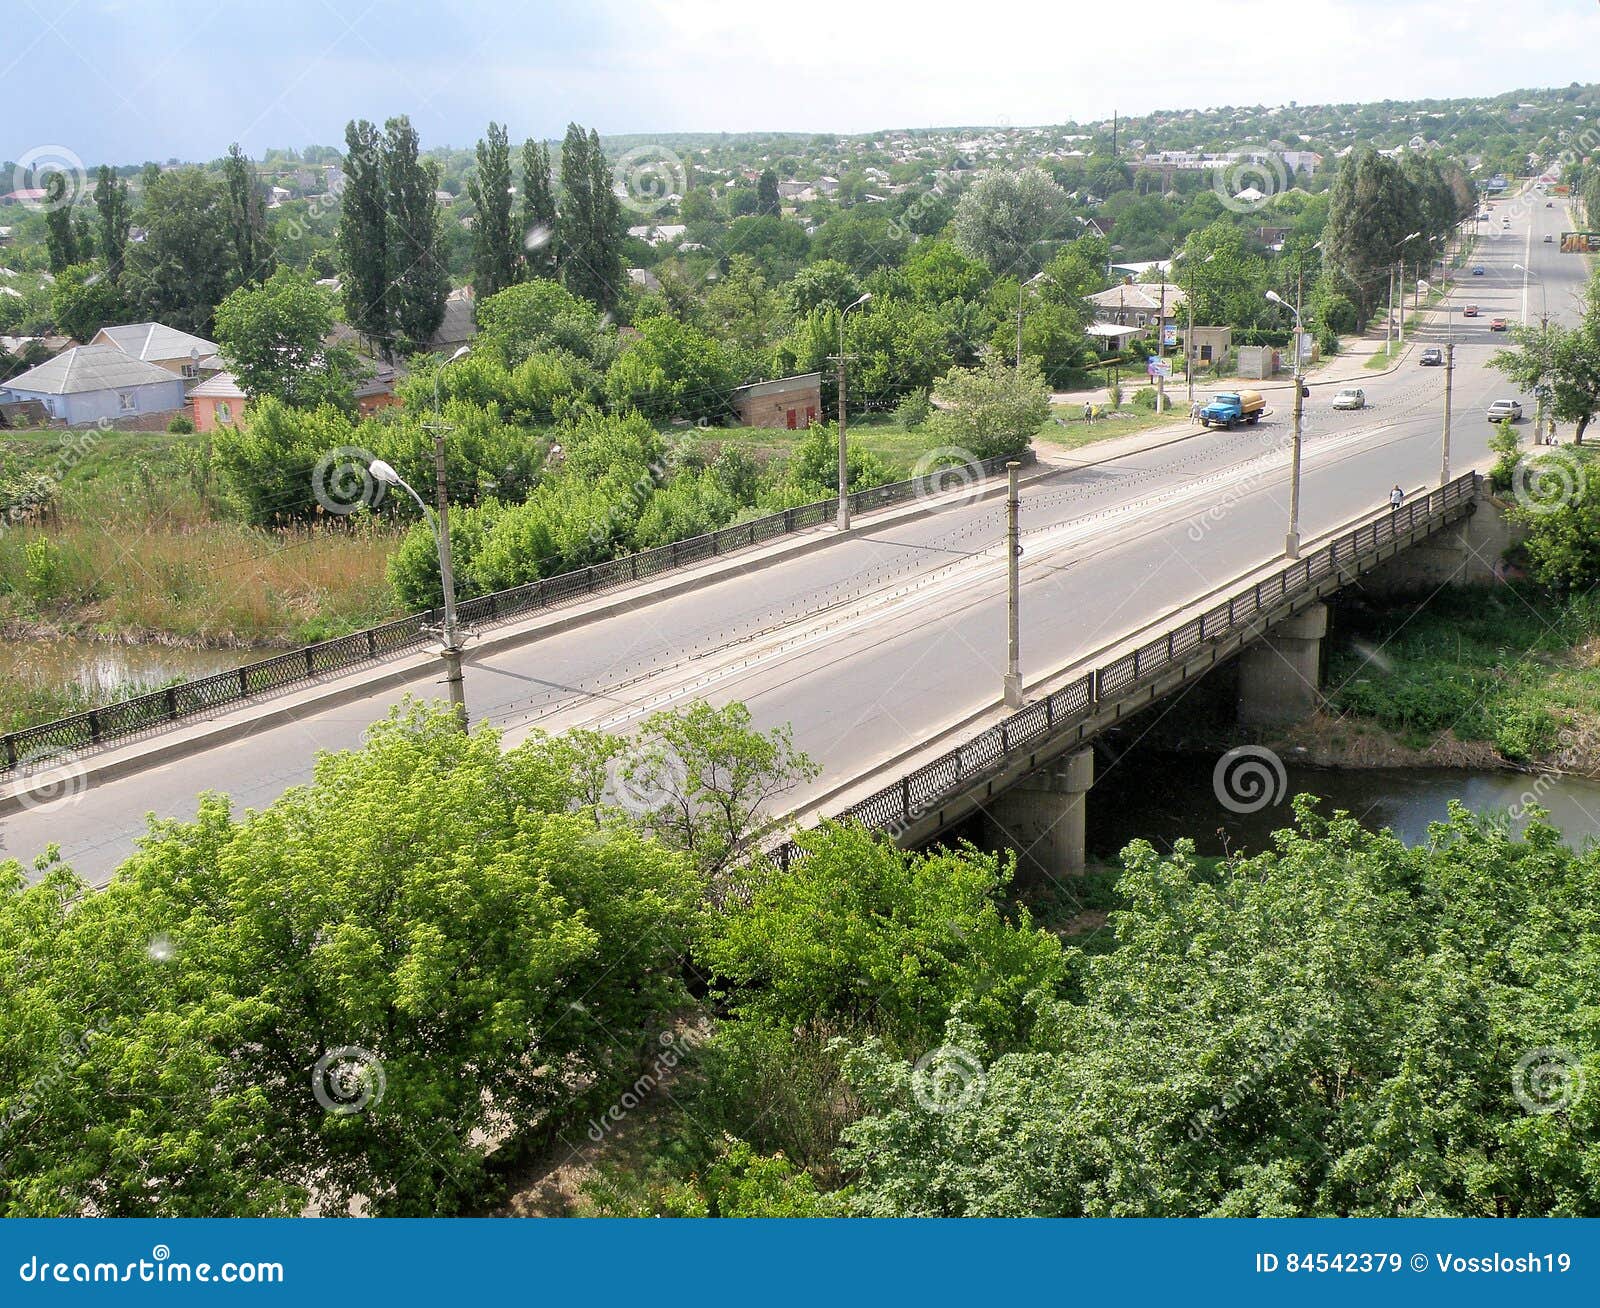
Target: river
[[105, 671], [1162, 797]]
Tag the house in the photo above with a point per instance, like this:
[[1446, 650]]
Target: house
[[1208, 344], [444, 198], [220, 401], [217, 402], [1138, 304], [459, 324], [151, 342], [655, 234], [644, 279], [24, 195], [792, 402], [91, 383]]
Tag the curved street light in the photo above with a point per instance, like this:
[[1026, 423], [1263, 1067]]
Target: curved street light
[[1291, 542], [844, 464]]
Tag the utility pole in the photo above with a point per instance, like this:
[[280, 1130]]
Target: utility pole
[[1444, 455], [1161, 348], [844, 464], [1388, 327], [1291, 544], [452, 634], [1013, 680]]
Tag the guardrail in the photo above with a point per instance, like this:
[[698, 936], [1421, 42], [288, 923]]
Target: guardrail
[[896, 806], [142, 713]]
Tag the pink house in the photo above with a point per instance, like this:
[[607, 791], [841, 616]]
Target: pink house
[[217, 402]]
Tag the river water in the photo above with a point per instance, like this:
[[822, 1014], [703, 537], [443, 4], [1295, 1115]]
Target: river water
[[106, 671], [1162, 797]]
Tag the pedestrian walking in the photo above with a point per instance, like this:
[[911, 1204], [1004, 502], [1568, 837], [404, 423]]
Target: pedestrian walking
[[1088, 411], [1194, 411], [1396, 499]]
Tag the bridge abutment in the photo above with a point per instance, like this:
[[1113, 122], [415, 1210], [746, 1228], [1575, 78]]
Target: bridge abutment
[[1279, 674], [1042, 817], [1466, 553]]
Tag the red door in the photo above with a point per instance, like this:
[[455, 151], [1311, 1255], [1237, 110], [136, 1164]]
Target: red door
[[791, 417]]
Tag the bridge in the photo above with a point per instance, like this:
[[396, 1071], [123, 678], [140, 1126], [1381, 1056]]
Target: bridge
[[884, 647]]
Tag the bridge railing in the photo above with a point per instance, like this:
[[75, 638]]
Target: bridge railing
[[142, 713], [897, 806]]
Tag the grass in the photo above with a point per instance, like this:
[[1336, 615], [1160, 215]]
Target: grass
[[1512, 666]]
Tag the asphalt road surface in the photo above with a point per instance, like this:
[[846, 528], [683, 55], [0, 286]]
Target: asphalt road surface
[[879, 641]]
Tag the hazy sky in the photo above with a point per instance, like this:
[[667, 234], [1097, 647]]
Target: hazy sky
[[129, 80]]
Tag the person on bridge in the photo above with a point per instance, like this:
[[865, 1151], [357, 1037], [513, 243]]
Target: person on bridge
[[1396, 498]]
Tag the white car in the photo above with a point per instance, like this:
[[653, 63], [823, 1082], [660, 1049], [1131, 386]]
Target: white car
[[1351, 397], [1504, 411]]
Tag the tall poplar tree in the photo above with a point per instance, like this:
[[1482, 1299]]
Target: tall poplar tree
[[111, 199], [418, 279], [541, 248], [495, 246], [591, 221], [364, 238], [247, 218]]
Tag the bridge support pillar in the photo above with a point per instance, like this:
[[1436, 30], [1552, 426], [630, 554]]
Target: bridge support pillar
[[1042, 817], [1278, 675]]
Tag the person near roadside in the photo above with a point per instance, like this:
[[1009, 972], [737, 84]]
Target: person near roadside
[[1396, 499]]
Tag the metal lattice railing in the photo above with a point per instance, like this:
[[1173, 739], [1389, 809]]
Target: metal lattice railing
[[897, 806], [143, 713]]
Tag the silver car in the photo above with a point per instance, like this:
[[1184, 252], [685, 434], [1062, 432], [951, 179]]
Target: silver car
[[1351, 397], [1504, 411]]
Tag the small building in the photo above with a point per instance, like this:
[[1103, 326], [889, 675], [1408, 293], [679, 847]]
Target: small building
[[177, 351], [459, 324], [1210, 343], [1138, 304], [792, 402], [91, 383], [217, 402]]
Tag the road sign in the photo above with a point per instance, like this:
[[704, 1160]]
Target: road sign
[[1156, 366], [1169, 335]]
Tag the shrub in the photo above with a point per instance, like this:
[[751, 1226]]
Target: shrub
[[913, 411], [181, 425]]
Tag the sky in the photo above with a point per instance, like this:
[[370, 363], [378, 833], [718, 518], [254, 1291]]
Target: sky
[[123, 81]]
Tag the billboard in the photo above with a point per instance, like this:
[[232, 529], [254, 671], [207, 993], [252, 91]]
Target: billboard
[[1580, 242], [1156, 366]]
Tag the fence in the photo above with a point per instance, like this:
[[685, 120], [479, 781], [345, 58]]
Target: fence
[[130, 717], [897, 806]]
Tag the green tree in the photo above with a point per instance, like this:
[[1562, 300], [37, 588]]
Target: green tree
[[1235, 1055], [66, 232], [990, 410], [669, 369], [826, 284], [1372, 208], [273, 337], [495, 248], [418, 280], [363, 238], [247, 220], [1008, 218], [84, 299], [186, 263], [112, 204], [767, 198], [539, 224], [590, 226]]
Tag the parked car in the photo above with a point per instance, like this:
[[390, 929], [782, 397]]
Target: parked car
[[1470, 311], [1504, 411], [1477, 270], [1351, 397], [1548, 238], [1549, 204], [1433, 356], [1497, 324]]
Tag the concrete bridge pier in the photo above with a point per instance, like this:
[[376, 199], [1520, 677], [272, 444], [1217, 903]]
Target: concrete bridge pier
[[1042, 817], [1279, 674]]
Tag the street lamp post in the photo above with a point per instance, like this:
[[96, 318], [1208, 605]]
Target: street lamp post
[[1291, 543], [439, 520], [1012, 686], [844, 467], [1397, 278]]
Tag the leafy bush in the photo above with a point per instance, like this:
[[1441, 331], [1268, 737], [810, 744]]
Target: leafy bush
[[913, 411], [181, 425]]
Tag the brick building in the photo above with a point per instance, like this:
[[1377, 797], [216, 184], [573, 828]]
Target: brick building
[[792, 402]]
